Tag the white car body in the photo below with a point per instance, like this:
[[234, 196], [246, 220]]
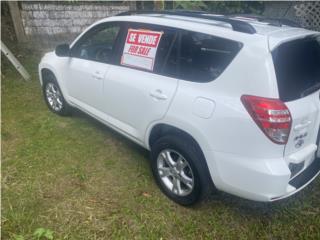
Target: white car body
[[240, 158]]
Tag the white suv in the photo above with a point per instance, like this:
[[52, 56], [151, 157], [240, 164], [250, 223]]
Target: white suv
[[227, 103]]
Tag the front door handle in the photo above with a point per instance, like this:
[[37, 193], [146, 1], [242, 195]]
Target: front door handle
[[157, 94]]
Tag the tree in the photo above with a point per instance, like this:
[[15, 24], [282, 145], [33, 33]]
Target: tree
[[158, 5], [190, 5], [218, 7], [233, 7]]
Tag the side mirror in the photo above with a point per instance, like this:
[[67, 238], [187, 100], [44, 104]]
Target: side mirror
[[63, 50]]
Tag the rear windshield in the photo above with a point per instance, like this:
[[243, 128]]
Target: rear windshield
[[297, 66]]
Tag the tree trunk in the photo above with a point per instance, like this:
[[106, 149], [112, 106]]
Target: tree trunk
[[158, 5]]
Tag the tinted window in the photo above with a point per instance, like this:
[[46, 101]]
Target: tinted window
[[297, 65], [170, 66], [98, 44], [166, 59], [204, 57]]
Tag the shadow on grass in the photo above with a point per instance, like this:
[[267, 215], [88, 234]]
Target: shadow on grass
[[127, 142]]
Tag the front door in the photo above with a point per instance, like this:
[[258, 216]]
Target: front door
[[89, 64]]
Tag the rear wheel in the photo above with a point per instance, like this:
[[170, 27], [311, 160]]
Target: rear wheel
[[53, 96], [176, 168], [175, 172]]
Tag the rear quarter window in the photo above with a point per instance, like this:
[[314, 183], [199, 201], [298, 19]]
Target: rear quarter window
[[204, 57], [297, 67]]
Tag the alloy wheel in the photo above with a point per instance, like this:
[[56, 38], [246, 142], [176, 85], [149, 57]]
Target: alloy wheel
[[54, 97], [175, 172]]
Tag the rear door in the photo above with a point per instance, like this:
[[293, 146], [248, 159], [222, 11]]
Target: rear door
[[297, 65], [139, 88]]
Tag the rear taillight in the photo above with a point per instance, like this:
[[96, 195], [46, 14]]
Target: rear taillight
[[271, 115]]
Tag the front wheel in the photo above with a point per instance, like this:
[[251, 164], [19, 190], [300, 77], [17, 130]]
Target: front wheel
[[54, 98], [175, 167]]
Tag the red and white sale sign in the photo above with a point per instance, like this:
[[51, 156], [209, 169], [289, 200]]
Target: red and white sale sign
[[140, 48]]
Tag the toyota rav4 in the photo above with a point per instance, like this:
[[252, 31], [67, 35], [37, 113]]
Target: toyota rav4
[[222, 102]]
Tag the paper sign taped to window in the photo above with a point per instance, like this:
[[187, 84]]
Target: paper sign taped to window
[[140, 48]]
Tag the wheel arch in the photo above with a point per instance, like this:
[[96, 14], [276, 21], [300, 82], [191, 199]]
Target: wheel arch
[[44, 73], [46, 69], [162, 129], [158, 129]]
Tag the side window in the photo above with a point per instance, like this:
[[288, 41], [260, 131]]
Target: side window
[[204, 57], [170, 67], [166, 61], [98, 44], [164, 55]]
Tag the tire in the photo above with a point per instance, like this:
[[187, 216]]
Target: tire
[[53, 96], [167, 177]]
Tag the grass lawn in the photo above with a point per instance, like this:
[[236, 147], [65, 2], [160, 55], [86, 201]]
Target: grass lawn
[[81, 180]]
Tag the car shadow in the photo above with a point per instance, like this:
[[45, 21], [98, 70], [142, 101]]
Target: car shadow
[[244, 207], [108, 130]]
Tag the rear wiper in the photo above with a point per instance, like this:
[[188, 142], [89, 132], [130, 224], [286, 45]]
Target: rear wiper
[[310, 90]]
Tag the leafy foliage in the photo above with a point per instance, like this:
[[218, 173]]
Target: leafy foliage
[[159, 5], [190, 5], [18, 237], [222, 7], [43, 233], [230, 7]]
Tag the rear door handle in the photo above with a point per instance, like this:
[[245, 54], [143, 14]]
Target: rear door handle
[[97, 75], [157, 94]]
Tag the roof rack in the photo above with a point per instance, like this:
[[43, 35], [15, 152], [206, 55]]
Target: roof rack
[[237, 25], [270, 20]]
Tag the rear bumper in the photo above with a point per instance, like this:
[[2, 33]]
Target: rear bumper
[[303, 179], [263, 180]]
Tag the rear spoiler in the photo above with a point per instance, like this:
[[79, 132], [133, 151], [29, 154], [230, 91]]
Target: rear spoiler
[[287, 35]]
